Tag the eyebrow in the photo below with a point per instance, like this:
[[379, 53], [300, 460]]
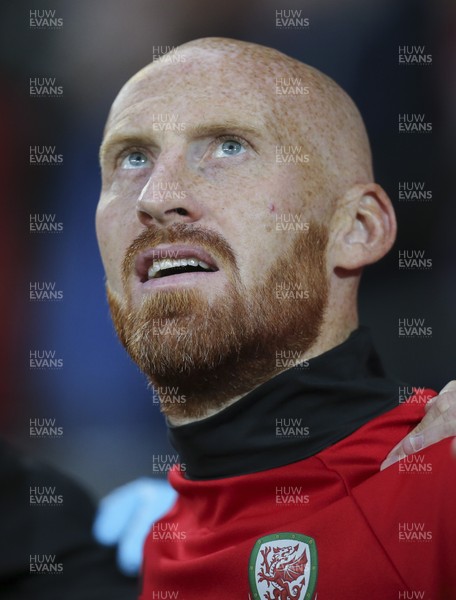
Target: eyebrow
[[120, 140], [219, 128], [194, 131]]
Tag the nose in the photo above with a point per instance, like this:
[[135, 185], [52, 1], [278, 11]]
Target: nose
[[164, 200]]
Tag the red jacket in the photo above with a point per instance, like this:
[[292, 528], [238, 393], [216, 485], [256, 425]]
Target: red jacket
[[330, 527]]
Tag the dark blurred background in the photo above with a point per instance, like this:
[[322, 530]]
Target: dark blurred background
[[111, 425]]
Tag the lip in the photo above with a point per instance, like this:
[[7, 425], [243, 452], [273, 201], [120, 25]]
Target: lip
[[172, 251], [182, 280]]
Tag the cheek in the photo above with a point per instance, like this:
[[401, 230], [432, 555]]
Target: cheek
[[114, 233], [258, 241], [129, 184], [273, 215]]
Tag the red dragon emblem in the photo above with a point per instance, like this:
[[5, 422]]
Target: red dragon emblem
[[281, 571], [283, 566]]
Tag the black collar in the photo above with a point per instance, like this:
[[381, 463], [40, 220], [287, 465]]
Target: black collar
[[292, 416]]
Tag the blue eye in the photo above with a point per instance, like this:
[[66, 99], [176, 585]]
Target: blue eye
[[134, 160], [229, 148]]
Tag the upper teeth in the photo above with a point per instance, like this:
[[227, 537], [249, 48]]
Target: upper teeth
[[172, 263]]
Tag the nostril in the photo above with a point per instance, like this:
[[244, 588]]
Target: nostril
[[144, 217], [181, 211]]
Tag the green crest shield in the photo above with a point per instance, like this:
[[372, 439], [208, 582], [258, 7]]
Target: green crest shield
[[283, 566]]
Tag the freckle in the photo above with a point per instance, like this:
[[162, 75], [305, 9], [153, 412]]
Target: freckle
[[272, 207]]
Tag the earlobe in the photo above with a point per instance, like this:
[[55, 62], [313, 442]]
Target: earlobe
[[367, 227]]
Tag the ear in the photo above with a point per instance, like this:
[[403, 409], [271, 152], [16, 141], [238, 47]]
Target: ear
[[363, 227]]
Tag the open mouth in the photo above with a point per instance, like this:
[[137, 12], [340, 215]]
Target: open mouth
[[165, 261], [166, 267]]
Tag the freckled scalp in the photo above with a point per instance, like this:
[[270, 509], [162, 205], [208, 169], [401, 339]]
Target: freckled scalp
[[325, 121]]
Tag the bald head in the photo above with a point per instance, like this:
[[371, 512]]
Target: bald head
[[302, 105]]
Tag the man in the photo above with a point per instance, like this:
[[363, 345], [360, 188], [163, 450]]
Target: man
[[234, 224]]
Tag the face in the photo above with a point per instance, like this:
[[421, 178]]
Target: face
[[205, 229]]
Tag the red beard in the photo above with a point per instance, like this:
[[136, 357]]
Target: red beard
[[215, 352]]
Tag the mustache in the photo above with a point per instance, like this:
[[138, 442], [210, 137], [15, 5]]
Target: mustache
[[180, 233]]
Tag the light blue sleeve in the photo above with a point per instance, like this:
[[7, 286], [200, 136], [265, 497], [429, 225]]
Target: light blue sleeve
[[125, 516]]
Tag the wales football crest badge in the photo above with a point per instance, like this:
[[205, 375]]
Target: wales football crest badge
[[283, 566]]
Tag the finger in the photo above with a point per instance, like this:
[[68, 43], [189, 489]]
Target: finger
[[442, 409], [442, 405], [442, 428], [449, 387], [401, 450]]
